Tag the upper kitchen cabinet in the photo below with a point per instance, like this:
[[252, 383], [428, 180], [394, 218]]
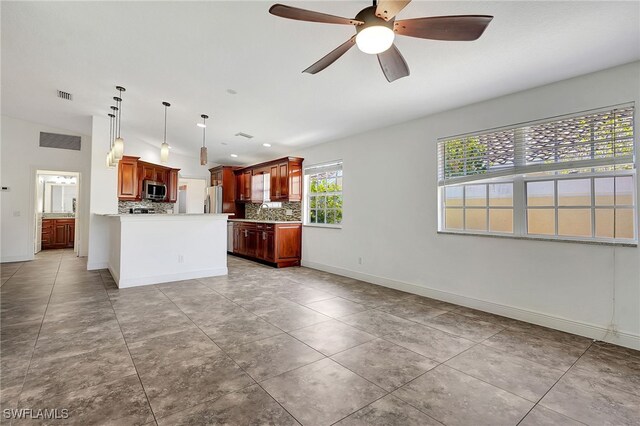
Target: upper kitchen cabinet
[[172, 185], [243, 185], [128, 185], [132, 173], [286, 180], [223, 176], [282, 178]]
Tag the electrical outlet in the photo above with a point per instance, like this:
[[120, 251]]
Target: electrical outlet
[[359, 261], [16, 213], [288, 212], [180, 258]]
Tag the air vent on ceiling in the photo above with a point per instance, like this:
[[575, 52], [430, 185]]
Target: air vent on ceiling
[[65, 95], [244, 135], [54, 140]]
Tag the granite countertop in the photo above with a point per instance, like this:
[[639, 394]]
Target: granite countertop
[[264, 221], [54, 216]]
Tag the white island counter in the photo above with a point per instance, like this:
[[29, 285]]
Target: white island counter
[[157, 248]]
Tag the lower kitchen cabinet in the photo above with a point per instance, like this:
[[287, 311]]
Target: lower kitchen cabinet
[[278, 244], [58, 233]]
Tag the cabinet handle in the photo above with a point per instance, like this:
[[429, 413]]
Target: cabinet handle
[[246, 233], [264, 235]]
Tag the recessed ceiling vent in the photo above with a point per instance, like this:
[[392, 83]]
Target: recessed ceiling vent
[[244, 135], [55, 140], [65, 95]]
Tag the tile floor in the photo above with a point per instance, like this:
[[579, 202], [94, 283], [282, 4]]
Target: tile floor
[[267, 346]]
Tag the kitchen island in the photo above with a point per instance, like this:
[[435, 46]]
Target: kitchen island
[[158, 248], [274, 242]]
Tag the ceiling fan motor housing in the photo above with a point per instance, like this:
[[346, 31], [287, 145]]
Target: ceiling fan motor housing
[[368, 16]]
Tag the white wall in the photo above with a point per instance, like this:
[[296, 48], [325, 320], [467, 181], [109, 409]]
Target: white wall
[[21, 156], [104, 195], [391, 213]]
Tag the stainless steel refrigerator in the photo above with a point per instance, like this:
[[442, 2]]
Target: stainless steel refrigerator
[[213, 202]]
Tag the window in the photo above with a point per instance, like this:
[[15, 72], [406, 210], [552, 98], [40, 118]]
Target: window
[[572, 177], [323, 188]]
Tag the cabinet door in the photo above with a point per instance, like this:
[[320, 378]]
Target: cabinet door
[[252, 243], [71, 234], [172, 186], [274, 189], [127, 179], [60, 235], [246, 185], [160, 175], [294, 180], [236, 238], [148, 172], [289, 241], [269, 244], [283, 177], [239, 177]]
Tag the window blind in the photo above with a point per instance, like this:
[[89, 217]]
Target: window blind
[[597, 138], [333, 166]]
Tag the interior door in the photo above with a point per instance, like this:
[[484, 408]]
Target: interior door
[[38, 233]]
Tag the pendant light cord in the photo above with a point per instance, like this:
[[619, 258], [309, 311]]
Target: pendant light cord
[[165, 124], [110, 131], [204, 131]]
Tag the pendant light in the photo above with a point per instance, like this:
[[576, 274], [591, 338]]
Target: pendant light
[[109, 154], [164, 149], [112, 159], [203, 150], [118, 144]]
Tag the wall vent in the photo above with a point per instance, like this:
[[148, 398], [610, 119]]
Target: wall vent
[[65, 95], [244, 135], [54, 140]]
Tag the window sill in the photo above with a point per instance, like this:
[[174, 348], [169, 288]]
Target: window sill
[[322, 226], [560, 240]]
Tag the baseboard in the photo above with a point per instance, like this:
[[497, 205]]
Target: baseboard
[[165, 278], [570, 326], [23, 258], [97, 265]]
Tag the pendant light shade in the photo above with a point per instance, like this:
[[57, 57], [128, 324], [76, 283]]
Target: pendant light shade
[[164, 148], [118, 144], [203, 150]]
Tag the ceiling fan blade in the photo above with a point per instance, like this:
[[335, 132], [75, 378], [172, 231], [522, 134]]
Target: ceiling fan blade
[[453, 28], [387, 9], [331, 57], [309, 15], [393, 64]]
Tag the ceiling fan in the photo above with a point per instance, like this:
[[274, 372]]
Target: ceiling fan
[[376, 28]]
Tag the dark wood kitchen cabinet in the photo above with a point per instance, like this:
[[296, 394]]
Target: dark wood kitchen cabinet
[[129, 183], [223, 176], [285, 180], [277, 244], [132, 173], [243, 185], [58, 233], [172, 185]]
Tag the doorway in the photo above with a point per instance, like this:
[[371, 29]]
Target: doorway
[[57, 196], [191, 195]]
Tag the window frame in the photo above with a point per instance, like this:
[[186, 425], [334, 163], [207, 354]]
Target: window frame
[[306, 205], [519, 177]]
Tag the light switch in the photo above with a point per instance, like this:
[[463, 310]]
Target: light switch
[[16, 213]]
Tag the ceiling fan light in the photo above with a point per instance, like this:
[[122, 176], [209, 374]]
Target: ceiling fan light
[[375, 39], [203, 156], [164, 153]]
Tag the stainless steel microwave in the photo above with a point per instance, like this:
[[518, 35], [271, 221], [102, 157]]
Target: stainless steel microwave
[[156, 191]]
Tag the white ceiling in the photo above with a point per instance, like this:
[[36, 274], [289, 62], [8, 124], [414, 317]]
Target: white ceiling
[[190, 53]]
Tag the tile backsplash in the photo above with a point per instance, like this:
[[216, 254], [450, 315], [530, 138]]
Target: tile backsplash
[[251, 212], [124, 206]]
